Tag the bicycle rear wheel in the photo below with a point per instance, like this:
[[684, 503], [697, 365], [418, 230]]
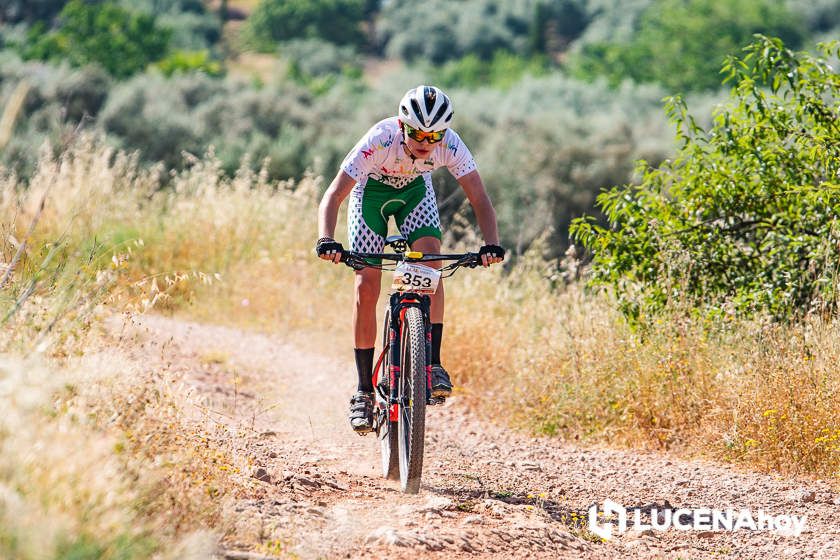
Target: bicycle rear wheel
[[388, 437], [412, 393]]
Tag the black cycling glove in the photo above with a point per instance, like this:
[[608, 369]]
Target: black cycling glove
[[328, 245], [493, 251]]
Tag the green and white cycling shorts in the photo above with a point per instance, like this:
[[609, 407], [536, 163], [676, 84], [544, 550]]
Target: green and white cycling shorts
[[413, 207]]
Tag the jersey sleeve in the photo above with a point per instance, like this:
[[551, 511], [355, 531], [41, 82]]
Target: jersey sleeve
[[368, 153], [457, 156]]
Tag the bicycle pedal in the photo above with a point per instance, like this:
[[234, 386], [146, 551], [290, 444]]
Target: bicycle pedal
[[436, 400]]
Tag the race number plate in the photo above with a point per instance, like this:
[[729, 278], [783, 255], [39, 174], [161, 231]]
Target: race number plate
[[418, 278]]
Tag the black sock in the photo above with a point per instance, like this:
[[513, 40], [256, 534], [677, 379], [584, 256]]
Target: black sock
[[364, 367], [437, 336]]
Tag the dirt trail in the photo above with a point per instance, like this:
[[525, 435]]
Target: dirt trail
[[487, 492]]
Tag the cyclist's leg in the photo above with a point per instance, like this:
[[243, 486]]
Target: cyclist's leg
[[366, 231], [364, 312], [365, 234]]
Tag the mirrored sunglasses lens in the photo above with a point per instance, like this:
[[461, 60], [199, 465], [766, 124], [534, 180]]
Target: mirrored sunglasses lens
[[420, 135]]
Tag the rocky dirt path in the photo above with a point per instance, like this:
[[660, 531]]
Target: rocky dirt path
[[487, 492]]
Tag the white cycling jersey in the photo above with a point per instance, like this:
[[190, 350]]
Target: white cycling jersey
[[380, 155]]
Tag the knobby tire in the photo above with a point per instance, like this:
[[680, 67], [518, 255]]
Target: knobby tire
[[412, 422]]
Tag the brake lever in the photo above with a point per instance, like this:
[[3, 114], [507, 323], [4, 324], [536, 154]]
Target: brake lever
[[473, 260], [351, 261]]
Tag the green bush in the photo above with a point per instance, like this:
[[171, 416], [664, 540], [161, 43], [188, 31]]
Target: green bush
[[152, 114], [442, 30], [190, 61], [819, 15], [745, 218], [121, 42], [613, 21], [682, 43], [318, 65], [192, 27], [335, 21], [503, 70], [59, 100]]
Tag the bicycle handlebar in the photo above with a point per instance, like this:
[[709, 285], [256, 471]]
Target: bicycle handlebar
[[358, 260]]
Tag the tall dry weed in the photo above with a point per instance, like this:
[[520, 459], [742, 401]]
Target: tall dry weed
[[102, 457]]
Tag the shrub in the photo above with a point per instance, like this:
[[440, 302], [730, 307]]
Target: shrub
[[502, 71], [58, 100], [147, 114], [104, 34], [438, 30], [192, 26], [189, 61], [819, 15], [681, 45], [312, 57], [744, 218], [336, 21]]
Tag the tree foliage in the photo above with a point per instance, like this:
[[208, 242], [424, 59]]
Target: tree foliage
[[191, 25], [101, 33], [443, 30], [746, 217], [335, 21], [682, 43], [503, 70]]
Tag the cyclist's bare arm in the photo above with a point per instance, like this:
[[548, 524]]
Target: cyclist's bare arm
[[335, 194], [485, 214]]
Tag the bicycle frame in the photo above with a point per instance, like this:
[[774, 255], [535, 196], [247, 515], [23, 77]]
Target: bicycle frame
[[399, 303]]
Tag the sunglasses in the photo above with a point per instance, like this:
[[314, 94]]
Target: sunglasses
[[420, 135]]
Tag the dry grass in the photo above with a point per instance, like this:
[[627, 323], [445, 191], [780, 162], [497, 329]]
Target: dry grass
[[87, 468], [103, 457], [561, 361]]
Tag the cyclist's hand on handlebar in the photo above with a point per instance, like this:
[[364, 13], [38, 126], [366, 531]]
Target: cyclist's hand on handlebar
[[491, 254], [329, 249]]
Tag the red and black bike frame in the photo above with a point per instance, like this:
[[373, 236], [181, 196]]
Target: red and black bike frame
[[400, 302]]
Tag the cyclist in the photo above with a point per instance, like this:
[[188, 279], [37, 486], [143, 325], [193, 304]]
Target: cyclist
[[388, 173]]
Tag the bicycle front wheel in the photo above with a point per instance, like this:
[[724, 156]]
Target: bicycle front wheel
[[412, 395]]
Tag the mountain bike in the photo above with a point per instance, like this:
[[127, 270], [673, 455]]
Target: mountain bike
[[402, 376]]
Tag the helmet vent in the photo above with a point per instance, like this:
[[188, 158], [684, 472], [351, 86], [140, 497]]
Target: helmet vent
[[416, 107], [439, 114], [430, 97]]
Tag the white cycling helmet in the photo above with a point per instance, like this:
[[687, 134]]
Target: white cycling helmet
[[426, 108]]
